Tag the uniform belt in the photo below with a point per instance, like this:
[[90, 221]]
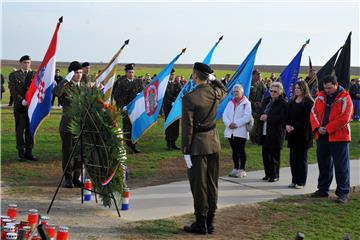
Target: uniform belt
[[200, 129]]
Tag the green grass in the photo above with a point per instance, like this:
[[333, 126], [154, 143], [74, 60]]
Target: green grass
[[317, 219]]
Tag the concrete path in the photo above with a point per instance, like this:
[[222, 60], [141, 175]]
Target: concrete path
[[175, 199]]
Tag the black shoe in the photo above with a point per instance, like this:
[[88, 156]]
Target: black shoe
[[68, 183], [133, 148], [21, 155], [210, 223], [265, 178], [341, 200], [77, 183], [273, 179], [319, 194], [197, 227], [168, 146], [173, 146], [29, 156]]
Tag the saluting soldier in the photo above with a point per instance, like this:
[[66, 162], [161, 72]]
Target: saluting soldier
[[63, 91], [172, 91], [19, 82], [257, 91], [126, 90], [200, 140]]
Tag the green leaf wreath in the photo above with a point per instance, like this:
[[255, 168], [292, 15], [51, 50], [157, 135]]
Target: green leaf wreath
[[102, 142]]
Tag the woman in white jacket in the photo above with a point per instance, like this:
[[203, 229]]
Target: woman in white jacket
[[236, 115]]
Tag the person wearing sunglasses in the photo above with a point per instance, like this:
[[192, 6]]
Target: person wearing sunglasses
[[272, 130]]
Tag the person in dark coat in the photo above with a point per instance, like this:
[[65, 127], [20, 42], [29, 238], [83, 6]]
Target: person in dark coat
[[299, 133], [2, 85], [63, 92], [126, 90], [172, 91], [19, 82], [272, 130], [58, 78]]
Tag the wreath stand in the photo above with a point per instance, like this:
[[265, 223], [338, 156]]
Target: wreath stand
[[80, 143]]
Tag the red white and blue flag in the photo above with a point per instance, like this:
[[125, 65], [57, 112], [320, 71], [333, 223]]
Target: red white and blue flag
[[40, 93]]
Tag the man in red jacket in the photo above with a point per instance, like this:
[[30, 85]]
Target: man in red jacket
[[330, 122]]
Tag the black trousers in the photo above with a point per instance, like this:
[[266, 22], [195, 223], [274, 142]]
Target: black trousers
[[74, 167], [299, 165], [238, 151], [127, 127], [22, 128], [271, 160], [172, 132], [203, 177]]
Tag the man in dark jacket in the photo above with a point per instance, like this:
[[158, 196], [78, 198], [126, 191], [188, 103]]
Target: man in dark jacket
[[126, 90], [19, 82], [201, 145], [172, 91]]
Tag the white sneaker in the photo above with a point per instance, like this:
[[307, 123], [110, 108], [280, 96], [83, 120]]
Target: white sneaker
[[233, 173], [298, 186], [241, 173]]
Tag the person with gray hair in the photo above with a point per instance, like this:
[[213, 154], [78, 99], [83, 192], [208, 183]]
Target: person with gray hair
[[272, 130], [236, 115]]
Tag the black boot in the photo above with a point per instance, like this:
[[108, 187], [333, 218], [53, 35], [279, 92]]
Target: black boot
[[133, 148], [168, 145], [198, 226], [30, 156], [77, 183], [173, 146], [210, 223], [21, 155], [68, 183]]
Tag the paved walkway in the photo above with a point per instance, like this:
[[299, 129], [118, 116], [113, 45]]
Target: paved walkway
[[175, 199]]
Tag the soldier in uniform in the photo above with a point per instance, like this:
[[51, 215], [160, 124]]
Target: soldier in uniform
[[126, 90], [63, 91], [172, 91], [257, 92], [19, 82], [86, 76], [58, 78], [200, 140]]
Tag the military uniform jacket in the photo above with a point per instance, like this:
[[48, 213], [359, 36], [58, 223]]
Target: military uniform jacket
[[127, 90], [172, 91], [19, 82], [199, 108], [63, 91]]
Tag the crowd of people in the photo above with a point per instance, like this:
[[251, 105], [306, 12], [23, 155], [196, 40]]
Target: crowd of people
[[267, 118]]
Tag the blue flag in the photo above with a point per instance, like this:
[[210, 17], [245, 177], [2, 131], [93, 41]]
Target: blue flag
[[175, 112], [290, 74], [144, 109], [242, 76]]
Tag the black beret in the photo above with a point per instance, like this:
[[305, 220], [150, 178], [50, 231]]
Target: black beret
[[74, 66], [203, 68], [172, 70], [24, 58], [85, 64], [129, 66]]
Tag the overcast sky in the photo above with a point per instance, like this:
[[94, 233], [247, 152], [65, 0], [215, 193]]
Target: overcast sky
[[93, 31]]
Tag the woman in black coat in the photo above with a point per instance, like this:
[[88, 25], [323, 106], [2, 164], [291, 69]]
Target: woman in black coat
[[272, 130], [298, 133]]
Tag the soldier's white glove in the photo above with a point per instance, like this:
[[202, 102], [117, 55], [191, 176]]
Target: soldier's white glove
[[24, 103], [70, 76], [188, 162], [211, 77]]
